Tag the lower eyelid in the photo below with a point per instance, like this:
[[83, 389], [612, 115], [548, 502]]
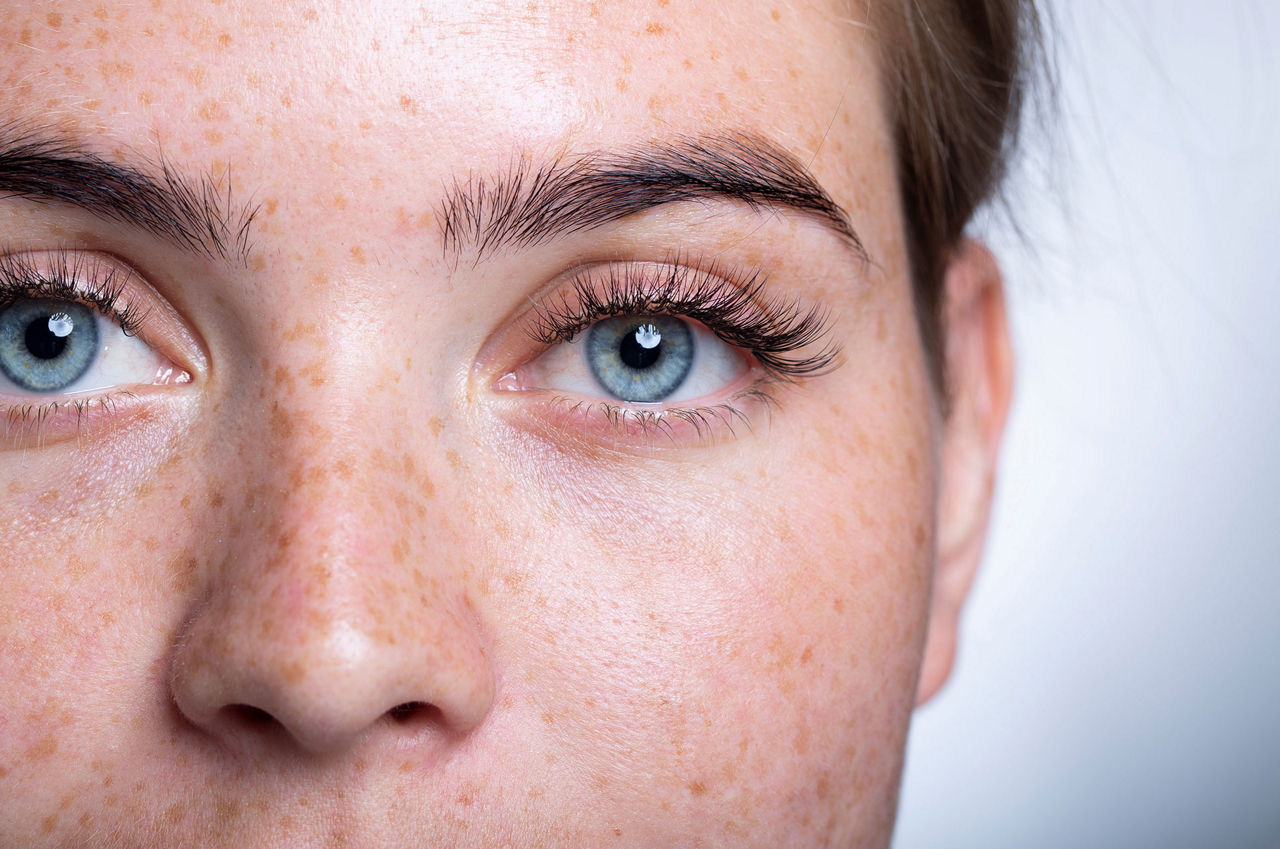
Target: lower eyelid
[[593, 425], [31, 422]]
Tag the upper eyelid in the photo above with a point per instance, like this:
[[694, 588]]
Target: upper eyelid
[[733, 302], [71, 276]]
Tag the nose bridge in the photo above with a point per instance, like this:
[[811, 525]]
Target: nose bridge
[[344, 461], [335, 605]]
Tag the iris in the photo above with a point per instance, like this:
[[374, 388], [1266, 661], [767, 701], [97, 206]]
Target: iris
[[47, 345], [640, 358]]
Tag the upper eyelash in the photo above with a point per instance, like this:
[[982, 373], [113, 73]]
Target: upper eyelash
[[732, 305], [70, 276]]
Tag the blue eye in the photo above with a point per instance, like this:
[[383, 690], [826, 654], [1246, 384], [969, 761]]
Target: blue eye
[[47, 345], [59, 346], [640, 359]]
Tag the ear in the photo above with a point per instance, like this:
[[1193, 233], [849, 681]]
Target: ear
[[979, 369]]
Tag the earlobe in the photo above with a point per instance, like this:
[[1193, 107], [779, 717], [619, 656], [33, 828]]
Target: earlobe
[[979, 368]]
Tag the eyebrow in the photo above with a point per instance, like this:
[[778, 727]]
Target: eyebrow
[[198, 215], [527, 206]]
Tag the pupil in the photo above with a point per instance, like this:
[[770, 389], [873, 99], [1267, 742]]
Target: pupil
[[637, 356], [43, 342]]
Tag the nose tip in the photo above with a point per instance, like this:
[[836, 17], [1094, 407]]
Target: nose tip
[[323, 684]]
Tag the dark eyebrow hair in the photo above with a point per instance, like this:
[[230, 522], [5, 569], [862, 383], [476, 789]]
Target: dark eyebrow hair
[[198, 215], [524, 206]]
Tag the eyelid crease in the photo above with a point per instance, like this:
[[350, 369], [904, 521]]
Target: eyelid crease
[[734, 304]]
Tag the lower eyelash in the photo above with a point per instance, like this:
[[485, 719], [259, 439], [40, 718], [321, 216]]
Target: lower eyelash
[[733, 305], [27, 422], [706, 423]]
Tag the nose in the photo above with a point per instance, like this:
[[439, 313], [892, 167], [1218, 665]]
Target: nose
[[331, 619]]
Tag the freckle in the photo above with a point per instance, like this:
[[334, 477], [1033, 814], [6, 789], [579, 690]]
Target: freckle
[[357, 253], [269, 205], [311, 15], [53, 19], [408, 105], [293, 672], [454, 460], [806, 655], [50, 822], [224, 40], [281, 425], [436, 425], [300, 330], [837, 604], [621, 84], [655, 28], [43, 747], [216, 500], [213, 136], [775, 14], [315, 374], [697, 788], [182, 573], [226, 809]]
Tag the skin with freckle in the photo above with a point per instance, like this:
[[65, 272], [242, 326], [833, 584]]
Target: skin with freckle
[[339, 590]]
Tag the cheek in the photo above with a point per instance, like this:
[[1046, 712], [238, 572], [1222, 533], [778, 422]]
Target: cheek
[[744, 633], [87, 607]]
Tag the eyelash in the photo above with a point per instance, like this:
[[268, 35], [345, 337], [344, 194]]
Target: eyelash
[[733, 305], [70, 276]]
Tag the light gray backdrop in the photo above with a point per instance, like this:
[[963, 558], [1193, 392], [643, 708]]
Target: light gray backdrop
[[1119, 677]]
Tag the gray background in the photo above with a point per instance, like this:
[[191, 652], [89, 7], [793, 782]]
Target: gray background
[[1119, 675]]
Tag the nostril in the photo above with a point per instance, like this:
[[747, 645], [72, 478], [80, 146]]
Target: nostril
[[414, 712], [249, 716]]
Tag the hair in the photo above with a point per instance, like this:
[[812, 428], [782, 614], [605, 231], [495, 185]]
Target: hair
[[956, 75]]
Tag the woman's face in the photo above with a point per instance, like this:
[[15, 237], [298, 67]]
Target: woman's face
[[401, 518]]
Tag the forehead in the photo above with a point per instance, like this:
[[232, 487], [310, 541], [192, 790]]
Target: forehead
[[355, 94]]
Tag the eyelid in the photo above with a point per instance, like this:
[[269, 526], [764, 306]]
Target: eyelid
[[114, 288], [787, 338]]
